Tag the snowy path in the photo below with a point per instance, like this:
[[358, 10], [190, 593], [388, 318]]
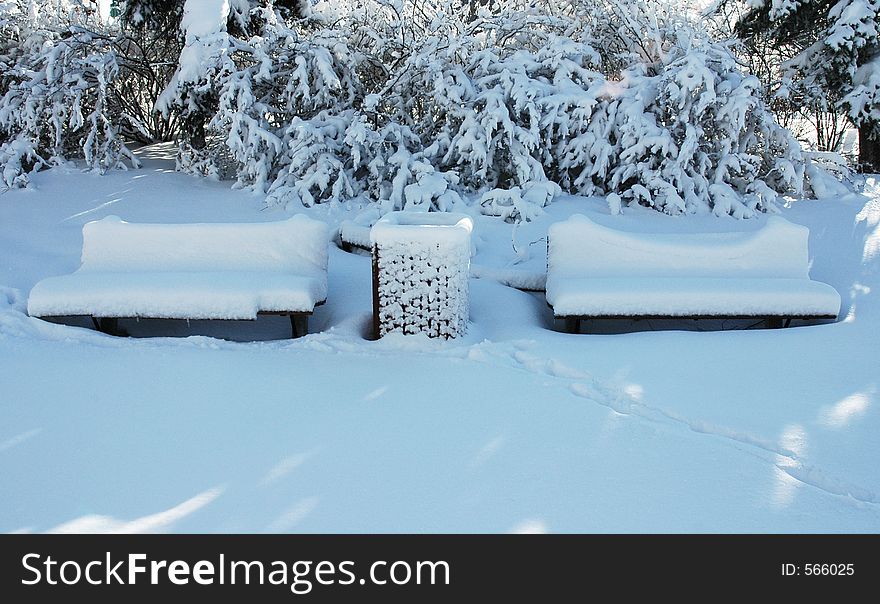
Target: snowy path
[[513, 428]]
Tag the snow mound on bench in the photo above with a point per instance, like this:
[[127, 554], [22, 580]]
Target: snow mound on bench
[[594, 270], [193, 271], [167, 295], [297, 245]]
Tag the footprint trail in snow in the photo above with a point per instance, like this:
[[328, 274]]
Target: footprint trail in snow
[[783, 458]]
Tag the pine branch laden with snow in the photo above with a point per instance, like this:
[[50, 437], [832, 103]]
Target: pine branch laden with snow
[[286, 114], [835, 66], [694, 137], [57, 106], [779, 9], [854, 39]]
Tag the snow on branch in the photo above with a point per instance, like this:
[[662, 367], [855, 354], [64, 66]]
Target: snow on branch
[[57, 104]]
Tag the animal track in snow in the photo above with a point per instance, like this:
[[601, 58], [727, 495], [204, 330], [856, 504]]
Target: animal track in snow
[[618, 400]]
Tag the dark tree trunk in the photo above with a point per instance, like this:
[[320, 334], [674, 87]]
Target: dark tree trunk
[[194, 125], [869, 148]]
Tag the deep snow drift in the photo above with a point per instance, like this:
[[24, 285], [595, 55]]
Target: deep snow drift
[[514, 427]]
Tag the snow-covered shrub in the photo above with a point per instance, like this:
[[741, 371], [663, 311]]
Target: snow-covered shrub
[[413, 104], [693, 137], [74, 87], [285, 111], [314, 163], [496, 96], [519, 203], [680, 128], [409, 108], [300, 125], [57, 105], [338, 157], [491, 105], [621, 102], [407, 180]]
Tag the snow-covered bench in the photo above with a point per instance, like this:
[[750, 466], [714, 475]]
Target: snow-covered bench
[[191, 271], [594, 271]]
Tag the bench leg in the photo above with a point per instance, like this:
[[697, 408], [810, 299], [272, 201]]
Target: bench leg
[[572, 325], [299, 325], [109, 325]]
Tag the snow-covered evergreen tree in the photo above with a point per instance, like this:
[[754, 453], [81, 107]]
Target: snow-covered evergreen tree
[[496, 96], [836, 60], [193, 89], [691, 133]]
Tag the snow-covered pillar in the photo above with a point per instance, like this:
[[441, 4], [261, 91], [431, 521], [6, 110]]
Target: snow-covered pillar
[[421, 263]]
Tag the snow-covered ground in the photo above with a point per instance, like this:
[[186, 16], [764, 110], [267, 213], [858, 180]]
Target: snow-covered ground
[[514, 427]]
